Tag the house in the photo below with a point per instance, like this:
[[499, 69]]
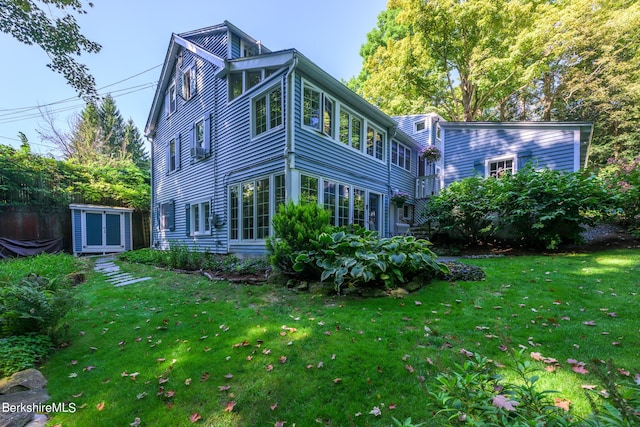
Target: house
[[236, 130]]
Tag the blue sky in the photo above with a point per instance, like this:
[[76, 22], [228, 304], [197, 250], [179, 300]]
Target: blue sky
[[135, 34]]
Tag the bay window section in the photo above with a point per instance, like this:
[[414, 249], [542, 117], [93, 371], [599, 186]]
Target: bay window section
[[350, 128], [308, 188]]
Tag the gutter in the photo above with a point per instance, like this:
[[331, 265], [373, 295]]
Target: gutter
[[289, 150]]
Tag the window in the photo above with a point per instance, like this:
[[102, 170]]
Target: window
[[375, 143], [350, 129], [189, 82], [241, 81], [250, 207], [358, 206], [497, 167], [235, 85], [348, 205], [308, 188], [400, 155], [329, 195], [172, 154], [311, 108], [343, 205], [327, 116], [419, 126], [166, 216], [267, 111], [200, 218], [170, 100]]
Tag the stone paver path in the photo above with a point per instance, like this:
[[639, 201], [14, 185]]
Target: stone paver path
[[107, 267]]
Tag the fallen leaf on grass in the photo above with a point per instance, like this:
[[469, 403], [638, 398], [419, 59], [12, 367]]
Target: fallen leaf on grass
[[141, 395], [337, 380], [269, 367], [274, 406], [77, 395], [589, 323], [579, 369], [279, 424], [409, 368], [561, 403], [100, 406], [230, 406], [502, 401], [376, 411], [204, 377], [195, 417], [224, 387], [136, 422]]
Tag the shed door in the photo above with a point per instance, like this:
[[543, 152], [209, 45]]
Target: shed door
[[103, 230]]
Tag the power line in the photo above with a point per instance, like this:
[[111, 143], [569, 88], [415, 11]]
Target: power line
[[18, 110], [26, 115]]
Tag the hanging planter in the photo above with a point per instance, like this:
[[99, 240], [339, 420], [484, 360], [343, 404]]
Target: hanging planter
[[431, 153], [399, 198]]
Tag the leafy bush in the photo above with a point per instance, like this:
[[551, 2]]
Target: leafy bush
[[464, 209], [622, 177], [535, 208], [294, 227], [36, 304], [548, 207], [22, 352], [474, 394], [148, 256], [363, 258]]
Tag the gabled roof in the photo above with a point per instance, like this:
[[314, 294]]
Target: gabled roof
[[290, 57]]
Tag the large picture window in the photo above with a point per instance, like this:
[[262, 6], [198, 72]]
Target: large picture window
[[250, 207]]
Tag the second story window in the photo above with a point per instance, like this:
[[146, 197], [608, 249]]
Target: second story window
[[318, 111], [401, 155], [350, 129], [267, 110], [375, 143], [172, 153]]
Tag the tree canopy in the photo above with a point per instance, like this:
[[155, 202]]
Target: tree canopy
[[59, 37], [511, 60]]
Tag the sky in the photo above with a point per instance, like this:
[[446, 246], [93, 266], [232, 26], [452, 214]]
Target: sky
[[135, 35]]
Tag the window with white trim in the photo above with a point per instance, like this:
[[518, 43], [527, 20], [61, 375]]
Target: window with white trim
[[350, 129], [172, 154], [250, 207], [188, 82], [240, 82], [499, 166], [375, 143], [267, 111], [200, 218], [171, 102], [308, 188], [318, 110], [401, 155], [166, 216], [420, 126]]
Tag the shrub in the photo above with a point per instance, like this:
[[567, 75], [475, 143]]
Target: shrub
[[535, 208], [363, 258], [622, 177], [35, 304], [294, 227], [463, 209], [22, 352], [548, 207]]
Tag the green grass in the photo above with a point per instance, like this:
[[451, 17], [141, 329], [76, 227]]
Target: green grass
[[197, 345]]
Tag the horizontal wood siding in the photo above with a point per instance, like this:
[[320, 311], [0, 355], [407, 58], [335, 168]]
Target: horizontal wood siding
[[234, 156], [464, 148], [215, 42], [320, 155]]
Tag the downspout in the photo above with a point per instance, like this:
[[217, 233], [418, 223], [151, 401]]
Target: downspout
[[289, 149], [392, 133]]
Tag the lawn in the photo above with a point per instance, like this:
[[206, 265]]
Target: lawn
[[179, 348]]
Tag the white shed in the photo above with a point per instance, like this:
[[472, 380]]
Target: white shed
[[100, 229]]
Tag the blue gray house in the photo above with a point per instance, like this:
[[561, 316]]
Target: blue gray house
[[237, 129]]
